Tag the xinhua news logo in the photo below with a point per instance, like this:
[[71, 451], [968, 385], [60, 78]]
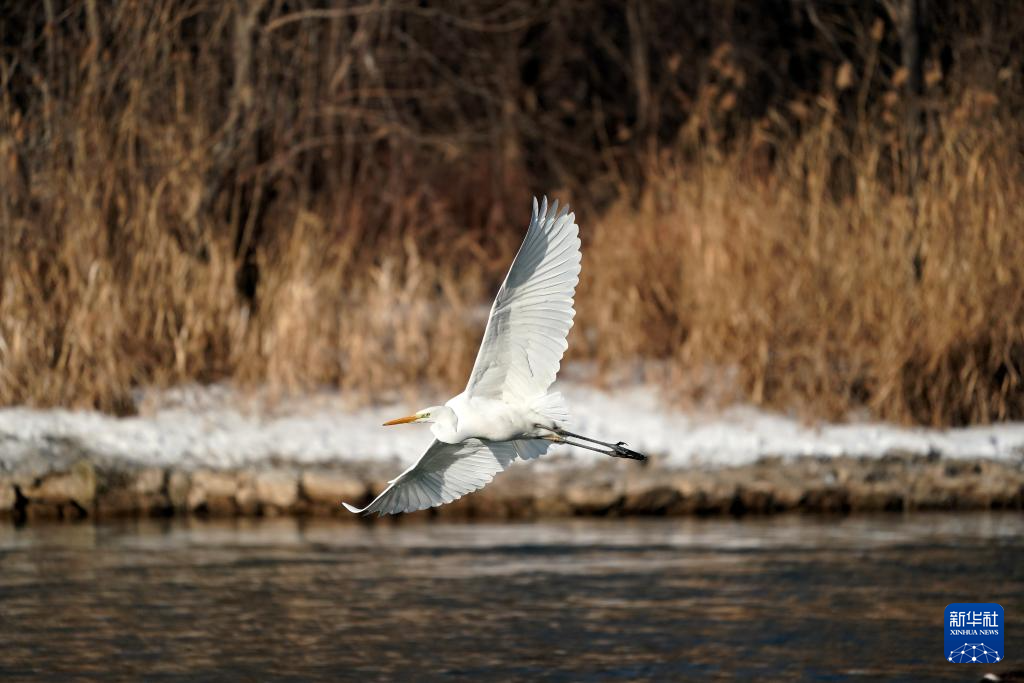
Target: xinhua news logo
[[974, 633]]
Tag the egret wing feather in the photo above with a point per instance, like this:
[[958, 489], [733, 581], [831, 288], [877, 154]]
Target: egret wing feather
[[446, 472], [531, 316], [528, 449]]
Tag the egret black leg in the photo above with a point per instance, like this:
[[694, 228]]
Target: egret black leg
[[619, 447], [615, 450]]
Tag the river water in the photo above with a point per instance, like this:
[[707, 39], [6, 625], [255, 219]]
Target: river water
[[788, 597]]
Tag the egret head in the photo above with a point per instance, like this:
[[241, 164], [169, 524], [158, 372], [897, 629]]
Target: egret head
[[425, 415]]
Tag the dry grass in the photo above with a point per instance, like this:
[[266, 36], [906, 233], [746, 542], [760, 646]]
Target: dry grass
[[257, 192], [826, 303]]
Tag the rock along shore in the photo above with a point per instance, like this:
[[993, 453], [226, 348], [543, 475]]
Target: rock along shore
[[78, 486]]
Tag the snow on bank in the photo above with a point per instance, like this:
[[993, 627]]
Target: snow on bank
[[214, 428]]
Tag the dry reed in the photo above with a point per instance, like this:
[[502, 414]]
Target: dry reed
[[804, 299], [285, 195]]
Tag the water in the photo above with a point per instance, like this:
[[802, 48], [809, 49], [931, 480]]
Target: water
[[788, 597]]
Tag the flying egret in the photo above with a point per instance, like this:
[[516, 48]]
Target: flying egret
[[506, 410]]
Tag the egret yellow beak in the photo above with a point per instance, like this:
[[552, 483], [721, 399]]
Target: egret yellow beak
[[401, 421]]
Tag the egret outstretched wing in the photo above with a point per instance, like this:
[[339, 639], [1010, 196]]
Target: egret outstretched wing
[[530, 319], [446, 472]]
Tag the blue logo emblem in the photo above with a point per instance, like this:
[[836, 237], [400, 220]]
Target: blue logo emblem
[[974, 633]]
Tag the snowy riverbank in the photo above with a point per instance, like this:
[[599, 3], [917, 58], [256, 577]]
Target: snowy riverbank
[[212, 451]]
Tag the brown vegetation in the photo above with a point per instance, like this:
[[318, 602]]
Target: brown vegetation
[[289, 194], [823, 299]]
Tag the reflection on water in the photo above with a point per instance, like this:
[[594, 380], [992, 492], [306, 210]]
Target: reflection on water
[[658, 600]]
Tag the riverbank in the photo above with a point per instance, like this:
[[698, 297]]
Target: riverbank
[[84, 489], [211, 452]]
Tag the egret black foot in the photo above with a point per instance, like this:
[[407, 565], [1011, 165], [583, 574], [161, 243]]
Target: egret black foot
[[622, 452]]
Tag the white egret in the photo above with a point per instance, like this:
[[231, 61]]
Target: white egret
[[506, 410]]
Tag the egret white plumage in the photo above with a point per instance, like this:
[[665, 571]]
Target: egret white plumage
[[506, 410]]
